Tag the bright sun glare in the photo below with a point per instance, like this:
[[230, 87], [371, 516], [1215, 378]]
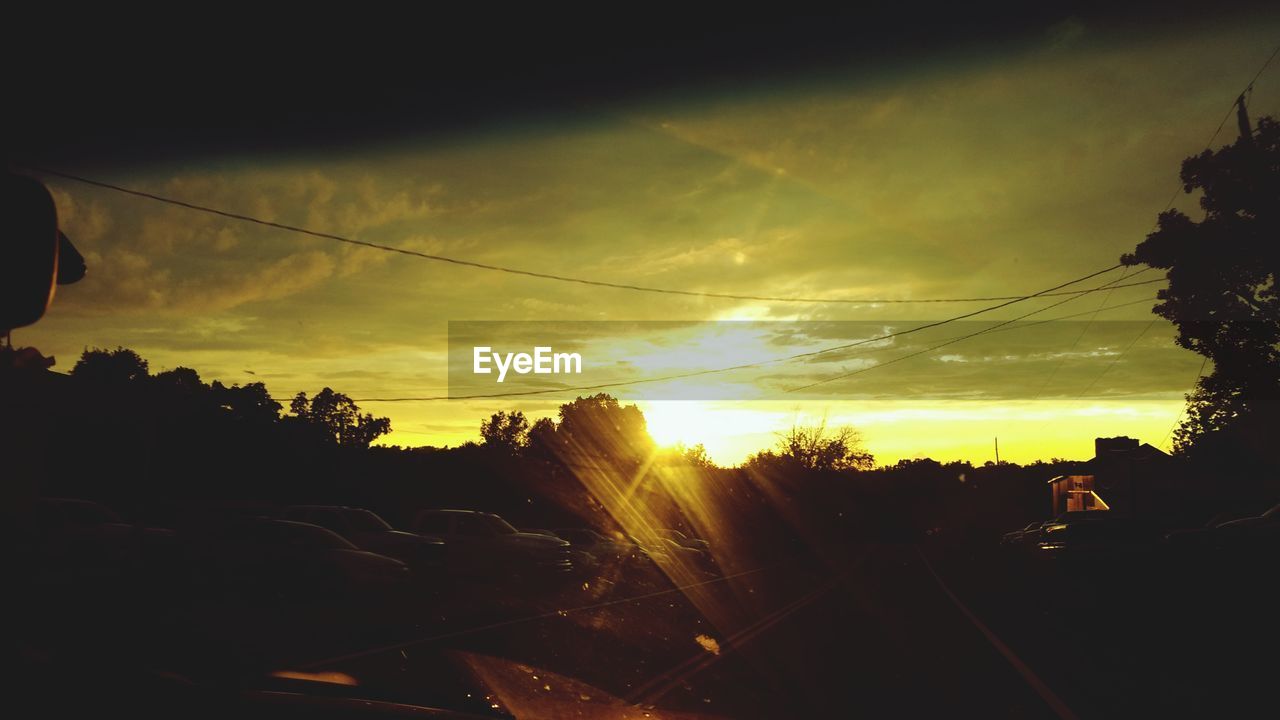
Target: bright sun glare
[[725, 432]]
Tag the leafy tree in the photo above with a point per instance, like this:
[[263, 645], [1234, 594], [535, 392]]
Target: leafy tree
[[506, 431], [338, 418], [691, 456], [696, 456], [179, 382], [111, 367], [1222, 293], [817, 447], [249, 403], [541, 441], [599, 428]]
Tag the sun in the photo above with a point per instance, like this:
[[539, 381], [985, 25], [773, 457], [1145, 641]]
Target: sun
[[675, 422], [727, 431]]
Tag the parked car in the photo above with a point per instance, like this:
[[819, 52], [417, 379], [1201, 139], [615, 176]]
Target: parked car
[[668, 553], [1027, 536], [602, 550], [1256, 531], [683, 540], [293, 561], [1084, 535], [72, 539], [1198, 540], [480, 542], [1226, 532], [700, 558], [367, 531]]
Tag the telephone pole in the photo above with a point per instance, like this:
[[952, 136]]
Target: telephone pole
[[1242, 117]]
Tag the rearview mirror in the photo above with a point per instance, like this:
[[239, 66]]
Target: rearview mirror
[[35, 256]]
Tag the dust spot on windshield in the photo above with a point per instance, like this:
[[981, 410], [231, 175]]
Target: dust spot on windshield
[[708, 643]]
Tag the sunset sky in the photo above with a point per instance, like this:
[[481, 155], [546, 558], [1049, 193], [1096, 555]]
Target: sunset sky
[[967, 172]]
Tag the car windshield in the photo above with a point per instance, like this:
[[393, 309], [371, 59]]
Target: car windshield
[[578, 537], [498, 525], [312, 536], [884, 360], [365, 521]]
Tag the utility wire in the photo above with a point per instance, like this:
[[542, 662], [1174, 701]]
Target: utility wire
[[1116, 359], [1178, 190], [1003, 327], [1076, 315], [1076, 343], [562, 278], [511, 270], [744, 366], [1183, 411], [1080, 396], [1247, 88], [951, 341]]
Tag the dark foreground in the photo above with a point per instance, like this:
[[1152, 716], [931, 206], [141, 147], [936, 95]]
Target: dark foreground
[[870, 629]]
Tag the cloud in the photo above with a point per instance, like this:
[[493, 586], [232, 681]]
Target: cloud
[[993, 176]]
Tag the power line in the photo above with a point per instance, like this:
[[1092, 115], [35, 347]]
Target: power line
[[908, 356], [1208, 146], [510, 270], [1263, 69], [1116, 359], [1075, 343], [760, 363], [1230, 110], [1183, 411], [1076, 315], [1005, 325], [1079, 396], [1002, 327]]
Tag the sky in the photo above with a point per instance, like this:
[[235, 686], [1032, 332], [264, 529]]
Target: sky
[[965, 172]]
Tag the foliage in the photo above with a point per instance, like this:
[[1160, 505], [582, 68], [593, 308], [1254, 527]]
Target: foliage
[[505, 431], [695, 456], [339, 419], [1222, 293], [110, 367], [540, 441], [249, 403], [817, 447], [599, 428]]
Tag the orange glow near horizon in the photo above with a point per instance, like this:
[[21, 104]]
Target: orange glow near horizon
[[955, 431]]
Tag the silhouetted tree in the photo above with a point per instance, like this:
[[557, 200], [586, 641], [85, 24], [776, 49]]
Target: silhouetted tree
[[599, 428], [695, 456], [110, 367], [817, 447], [1222, 293], [248, 403], [506, 431], [541, 442], [180, 380], [338, 418]]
